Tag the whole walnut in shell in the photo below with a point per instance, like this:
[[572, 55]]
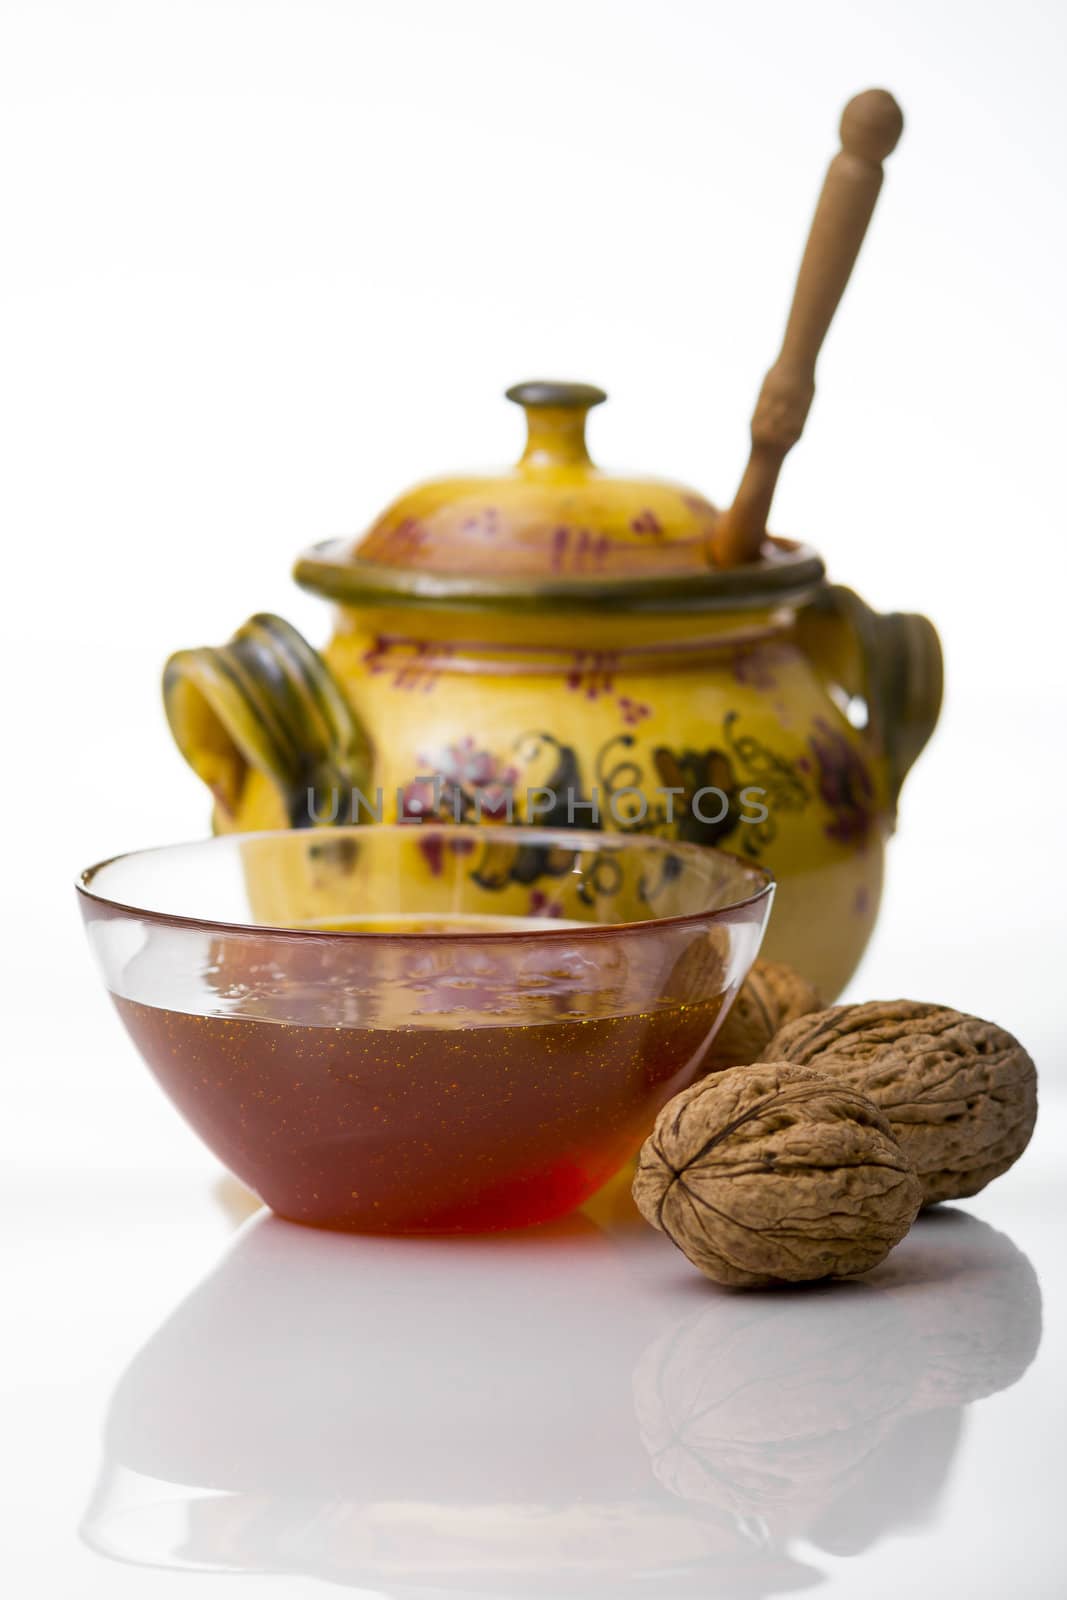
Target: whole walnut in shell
[[960, 1093], [772, 995], [771, 1174]]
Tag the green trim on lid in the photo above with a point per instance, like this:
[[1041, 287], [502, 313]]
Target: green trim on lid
[[789, 574]]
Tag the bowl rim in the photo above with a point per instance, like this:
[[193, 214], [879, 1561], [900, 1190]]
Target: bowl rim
[[577, 837]]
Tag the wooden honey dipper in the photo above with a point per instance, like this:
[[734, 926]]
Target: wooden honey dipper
[[871, 124]]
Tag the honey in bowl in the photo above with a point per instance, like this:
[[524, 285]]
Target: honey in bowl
[[498, 1128], [441, 1068]]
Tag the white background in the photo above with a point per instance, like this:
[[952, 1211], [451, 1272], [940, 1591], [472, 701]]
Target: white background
[[264, 263]]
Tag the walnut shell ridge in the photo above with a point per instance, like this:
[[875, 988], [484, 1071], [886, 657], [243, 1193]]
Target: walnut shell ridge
[[772, 1174], [960, 1094], [772, 995]]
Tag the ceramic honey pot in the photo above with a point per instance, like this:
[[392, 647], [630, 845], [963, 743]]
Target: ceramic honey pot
[[557, 644]]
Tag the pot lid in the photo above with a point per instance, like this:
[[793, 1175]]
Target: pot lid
[[552, 529]]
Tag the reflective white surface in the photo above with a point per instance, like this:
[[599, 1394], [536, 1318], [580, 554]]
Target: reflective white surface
[[568, 1412], [251, 289]]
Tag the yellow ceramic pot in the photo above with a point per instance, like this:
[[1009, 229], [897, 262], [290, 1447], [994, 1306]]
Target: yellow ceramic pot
[[555, 643]]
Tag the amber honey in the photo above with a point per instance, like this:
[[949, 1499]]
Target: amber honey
[[504, 1099]]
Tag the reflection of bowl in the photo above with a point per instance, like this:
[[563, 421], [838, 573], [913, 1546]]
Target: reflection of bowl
[[553, 1413], [491, 1069], [408, 1416]]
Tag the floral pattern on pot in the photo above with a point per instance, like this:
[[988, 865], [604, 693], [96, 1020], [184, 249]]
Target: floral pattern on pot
[[734, 792], [844, 784]]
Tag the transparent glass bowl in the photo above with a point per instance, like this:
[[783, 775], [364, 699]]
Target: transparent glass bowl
[[424, 1029]]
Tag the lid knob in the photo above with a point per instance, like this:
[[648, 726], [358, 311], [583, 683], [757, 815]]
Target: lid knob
[[555, 420]]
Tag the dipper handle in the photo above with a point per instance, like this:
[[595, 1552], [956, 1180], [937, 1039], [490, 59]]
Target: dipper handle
[[871, 124]]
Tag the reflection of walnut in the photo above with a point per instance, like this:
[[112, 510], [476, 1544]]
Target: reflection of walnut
[[766, 1410], [960, 1093], [769, 1173], [975, 1305], [801, 1414], [772, 995]]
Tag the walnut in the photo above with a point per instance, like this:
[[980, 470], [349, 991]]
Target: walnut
[[772, 1174], [772, 995], [960, 1093]]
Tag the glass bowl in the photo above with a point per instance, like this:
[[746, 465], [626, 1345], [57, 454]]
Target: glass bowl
[[422, 1028]]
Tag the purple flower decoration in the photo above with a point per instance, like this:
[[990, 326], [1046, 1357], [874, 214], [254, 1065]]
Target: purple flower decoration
[[633, 711], [844, 784], [471, 785], [754, 668]]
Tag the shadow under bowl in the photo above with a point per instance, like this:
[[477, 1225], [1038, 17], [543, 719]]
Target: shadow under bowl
[[424, 1029]]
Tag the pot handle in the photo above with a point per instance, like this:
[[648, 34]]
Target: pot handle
[[892, 660], [265, 701]]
